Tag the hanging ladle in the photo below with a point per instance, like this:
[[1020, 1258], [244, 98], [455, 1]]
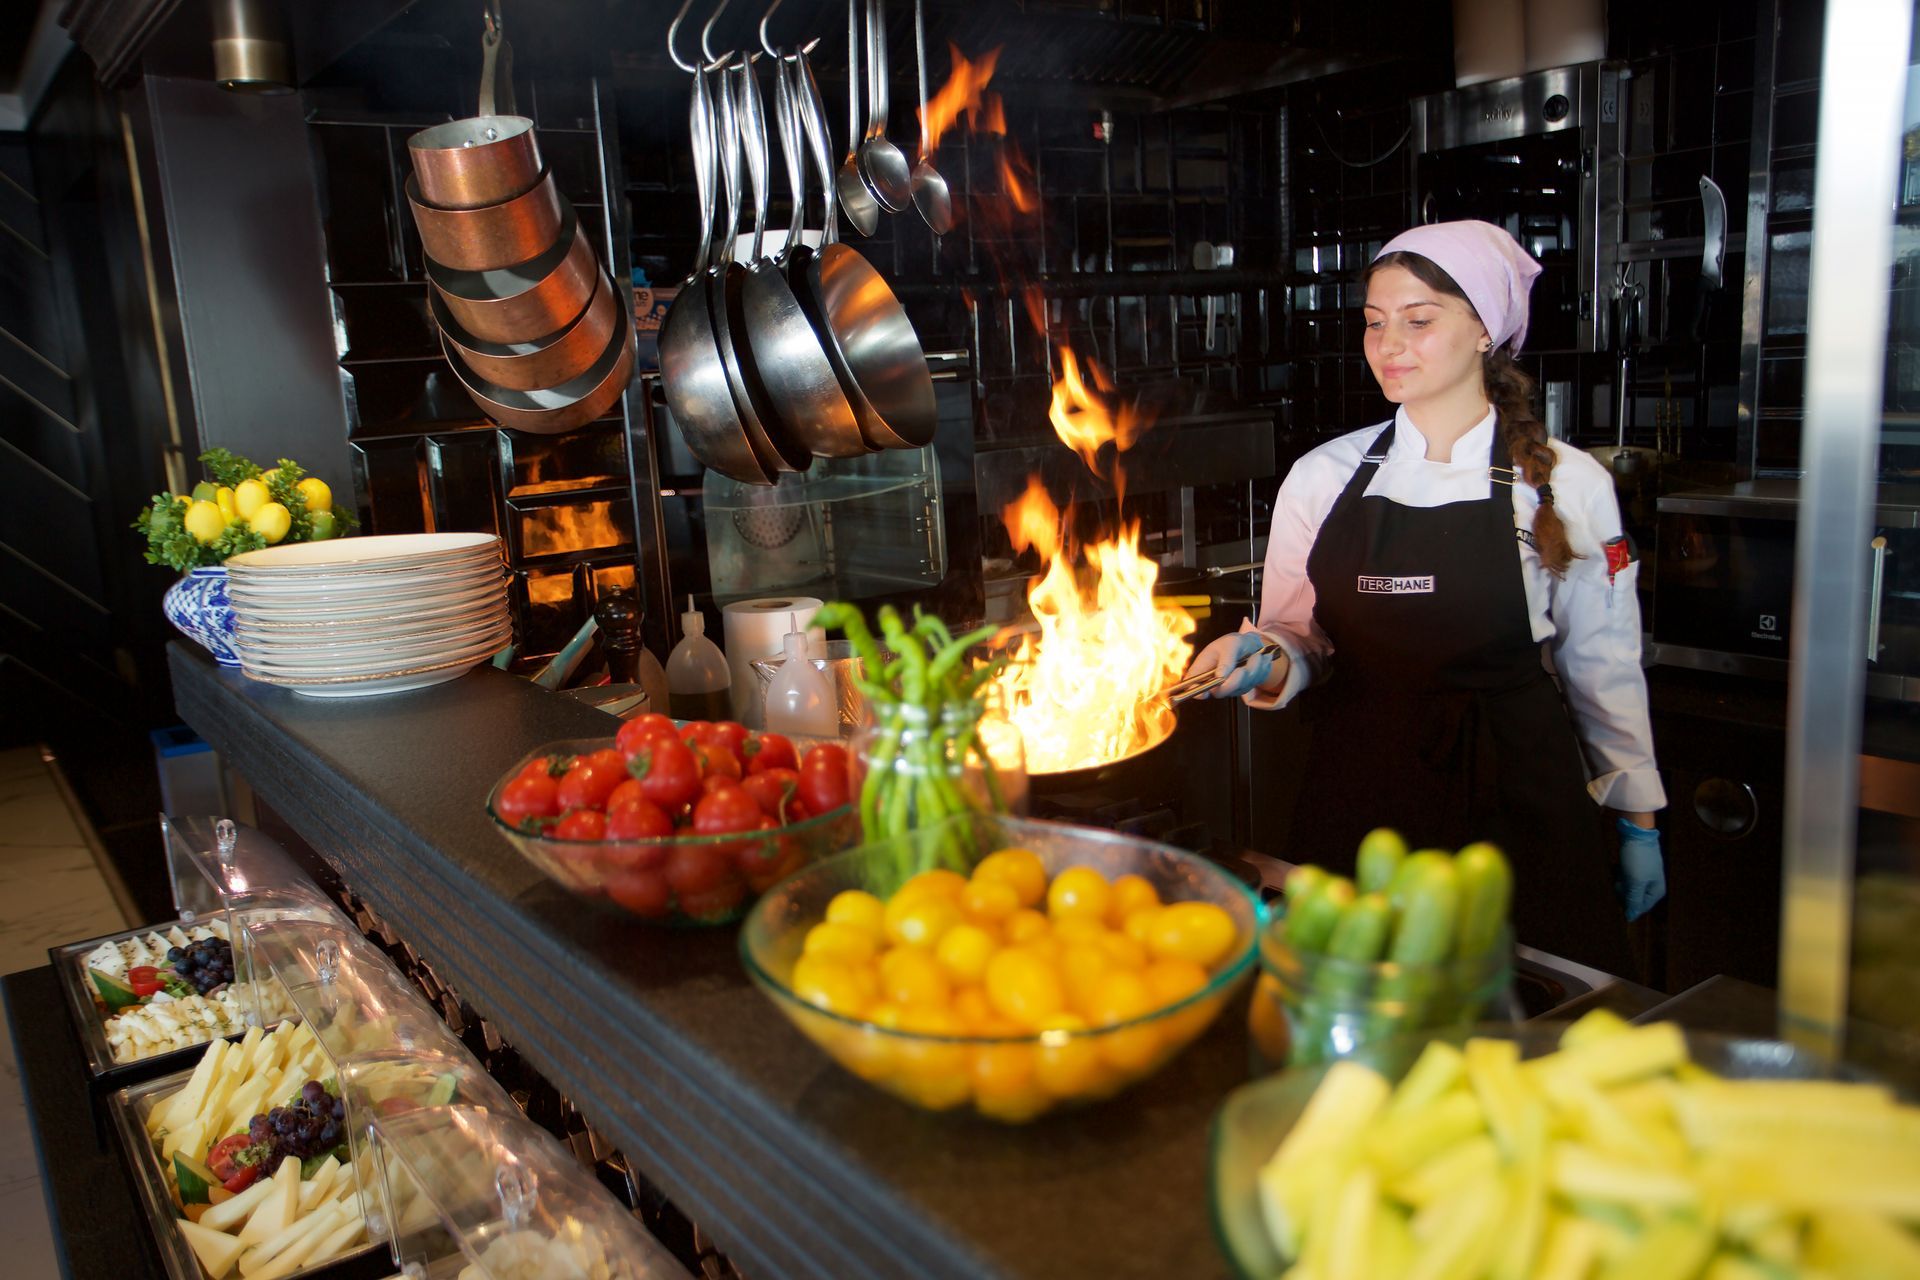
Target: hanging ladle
[[883, 167], [930, 194], [862, 210]]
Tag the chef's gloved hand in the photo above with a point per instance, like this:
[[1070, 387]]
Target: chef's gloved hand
[[1643, 873], [1237, 650]]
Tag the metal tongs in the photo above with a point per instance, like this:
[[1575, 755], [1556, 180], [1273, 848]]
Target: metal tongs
[[1194, 686]]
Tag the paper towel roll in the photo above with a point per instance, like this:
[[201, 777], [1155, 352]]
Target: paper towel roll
[[758, 629]]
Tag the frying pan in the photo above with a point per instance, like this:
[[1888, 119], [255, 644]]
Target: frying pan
[[873, 347], [788, 351], [691, 373], [739, 117]]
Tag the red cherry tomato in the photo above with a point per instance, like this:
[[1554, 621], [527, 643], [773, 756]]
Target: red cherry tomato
[[716, 759], [715, 781], [669, 773], [760, 860], [640, 730], [626, 793], [643, 891], [823, 777], [694, 868], [220, 1160], [546, 767], [638, 819], [143, 979], [730, 734], [581, 824], [697, 731], [716, 903], [592, 779], [727, 810], [775, 791], [765, 751], [527, 799]]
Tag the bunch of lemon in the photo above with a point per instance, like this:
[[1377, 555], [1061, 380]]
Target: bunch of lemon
[[241, 507], [1059, 979], [214, 507]]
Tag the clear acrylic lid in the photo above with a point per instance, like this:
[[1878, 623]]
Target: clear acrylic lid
[[484, 1194], [218, 864]]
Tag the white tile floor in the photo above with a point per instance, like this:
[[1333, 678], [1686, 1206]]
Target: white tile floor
[[51, 891]]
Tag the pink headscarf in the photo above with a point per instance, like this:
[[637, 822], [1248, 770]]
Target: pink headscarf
[[1489, 265]]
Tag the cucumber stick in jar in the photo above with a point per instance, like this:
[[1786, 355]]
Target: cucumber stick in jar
[[1311, 920], [1381, 853], [1486, 891]]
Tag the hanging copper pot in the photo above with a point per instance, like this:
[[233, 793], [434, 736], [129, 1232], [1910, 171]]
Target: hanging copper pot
[[543, 362], [482, 160], [493, 236], [573, 403], [525, 302]]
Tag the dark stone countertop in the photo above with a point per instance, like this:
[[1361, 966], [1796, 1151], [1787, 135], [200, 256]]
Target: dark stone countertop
[[795, 1167]]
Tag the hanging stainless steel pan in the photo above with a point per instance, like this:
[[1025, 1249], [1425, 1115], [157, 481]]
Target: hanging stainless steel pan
[[789, 353], [692, 374], [872, 344], [734, 115]]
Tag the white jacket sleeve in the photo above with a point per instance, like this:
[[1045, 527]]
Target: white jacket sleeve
[[1286, 593], [1596, 650]]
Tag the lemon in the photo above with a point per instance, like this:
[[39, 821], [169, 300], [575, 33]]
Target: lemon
[[271, 522], [223, 498], [315, 491], [268, 477], [204, 521], [323, 526], [205, 490], [249, 496]]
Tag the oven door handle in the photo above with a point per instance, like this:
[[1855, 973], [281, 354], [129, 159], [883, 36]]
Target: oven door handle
[[1879, 546]]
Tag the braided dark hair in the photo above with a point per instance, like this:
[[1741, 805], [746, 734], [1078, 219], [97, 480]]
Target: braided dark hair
[[1510, 391]]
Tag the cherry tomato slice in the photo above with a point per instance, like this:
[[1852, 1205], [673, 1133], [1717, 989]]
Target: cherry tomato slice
[[144, 979]]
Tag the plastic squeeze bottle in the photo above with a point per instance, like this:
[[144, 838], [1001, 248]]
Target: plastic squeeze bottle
[[799, 699], [697, 676]]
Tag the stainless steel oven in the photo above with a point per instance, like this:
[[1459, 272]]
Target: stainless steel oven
[[1723, 593], [1540, 155]]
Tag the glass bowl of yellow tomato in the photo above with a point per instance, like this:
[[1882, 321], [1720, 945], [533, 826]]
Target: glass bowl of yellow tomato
[[1004, 966]]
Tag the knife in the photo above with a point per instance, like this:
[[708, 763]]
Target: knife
[[1713, 252]]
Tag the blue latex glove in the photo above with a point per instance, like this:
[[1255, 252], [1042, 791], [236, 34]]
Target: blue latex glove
[[1237, 650], [1643, 873]]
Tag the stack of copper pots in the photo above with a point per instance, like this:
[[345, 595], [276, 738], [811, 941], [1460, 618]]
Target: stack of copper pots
[[535, 331]]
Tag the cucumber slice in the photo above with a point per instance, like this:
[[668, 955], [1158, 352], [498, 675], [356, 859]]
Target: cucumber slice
[[116, 994], [444, 1091], [195, 1179]]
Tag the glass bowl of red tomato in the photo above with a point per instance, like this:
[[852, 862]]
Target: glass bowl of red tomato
[[677, 822]]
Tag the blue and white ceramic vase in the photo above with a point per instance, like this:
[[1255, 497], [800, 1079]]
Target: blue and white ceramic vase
[[198, 605]]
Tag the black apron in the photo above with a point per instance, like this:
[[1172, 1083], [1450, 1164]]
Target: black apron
[[1438, 718]]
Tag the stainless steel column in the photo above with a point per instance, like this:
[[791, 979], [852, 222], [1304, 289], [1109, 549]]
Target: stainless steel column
[[1862, 92]]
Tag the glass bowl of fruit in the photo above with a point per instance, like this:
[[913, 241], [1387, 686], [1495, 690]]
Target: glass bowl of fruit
[[1591, 1148], [1001, 965], [676, 823]]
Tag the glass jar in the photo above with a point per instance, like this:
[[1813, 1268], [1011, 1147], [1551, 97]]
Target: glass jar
[[912, 769], [1310, 1008]]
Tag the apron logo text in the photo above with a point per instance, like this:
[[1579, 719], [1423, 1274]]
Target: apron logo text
[[1422, 586]]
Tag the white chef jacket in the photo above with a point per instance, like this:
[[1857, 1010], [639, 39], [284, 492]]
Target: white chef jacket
[[1590, 619]]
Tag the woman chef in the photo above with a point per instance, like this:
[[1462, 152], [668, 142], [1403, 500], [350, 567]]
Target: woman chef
[[1415, 570]]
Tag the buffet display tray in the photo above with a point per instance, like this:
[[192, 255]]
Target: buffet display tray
[[129, 1109], [69, 967]]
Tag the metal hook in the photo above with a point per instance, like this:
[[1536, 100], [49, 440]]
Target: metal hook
[[765, 18], [673, 32], [706, 32]]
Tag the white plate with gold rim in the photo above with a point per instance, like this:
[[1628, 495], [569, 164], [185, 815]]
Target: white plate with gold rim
[[299, 612], [370, 551], [373, 661], [352, 587]]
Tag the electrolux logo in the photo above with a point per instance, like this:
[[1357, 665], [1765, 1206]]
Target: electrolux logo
[[1769, 629], [1420, 586]]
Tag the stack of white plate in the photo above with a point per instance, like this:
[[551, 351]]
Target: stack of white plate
[[358, 616]]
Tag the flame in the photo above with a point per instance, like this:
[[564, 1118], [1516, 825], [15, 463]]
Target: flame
[[1033, 521], [1081, 417], [588, 527], [961, 95], [1086, 690]]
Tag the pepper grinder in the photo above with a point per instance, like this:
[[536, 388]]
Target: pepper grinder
[[628, 660]]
